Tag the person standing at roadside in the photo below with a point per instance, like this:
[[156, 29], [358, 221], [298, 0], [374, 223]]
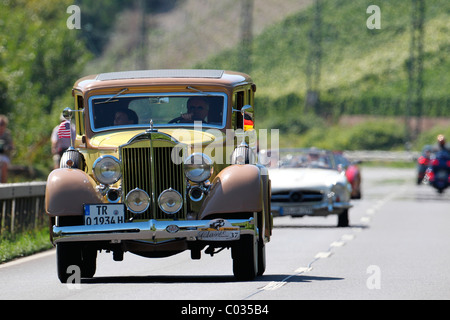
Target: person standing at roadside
[[61, 140], [6, 148]]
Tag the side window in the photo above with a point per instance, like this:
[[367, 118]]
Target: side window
[[238, 103], [79, 116], [240, 99], [249, 122]]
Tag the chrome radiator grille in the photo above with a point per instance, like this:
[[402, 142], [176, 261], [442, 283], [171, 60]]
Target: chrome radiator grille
[[153, 171]]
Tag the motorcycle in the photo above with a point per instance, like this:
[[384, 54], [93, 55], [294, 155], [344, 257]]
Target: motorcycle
[[438, 173]]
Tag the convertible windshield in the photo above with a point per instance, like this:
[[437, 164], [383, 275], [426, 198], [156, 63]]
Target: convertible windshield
[[136, 110], [301, 158]]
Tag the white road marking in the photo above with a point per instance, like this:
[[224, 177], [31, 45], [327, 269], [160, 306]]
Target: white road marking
[[365, 219], [303, 269], [323, 255], [336, 244], [274, 285]]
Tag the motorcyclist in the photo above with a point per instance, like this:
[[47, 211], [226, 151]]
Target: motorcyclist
[[443, 151]]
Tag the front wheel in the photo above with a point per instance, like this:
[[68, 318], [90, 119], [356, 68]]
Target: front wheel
[[261, 258], [343, 219], [75, 262], [245, 258]]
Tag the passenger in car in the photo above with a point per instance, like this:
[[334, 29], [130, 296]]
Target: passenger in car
[[124, 117]]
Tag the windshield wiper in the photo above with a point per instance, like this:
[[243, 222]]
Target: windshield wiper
[[115, 96], [198, 90]]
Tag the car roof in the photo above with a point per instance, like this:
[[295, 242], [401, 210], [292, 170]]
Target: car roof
[[162, 77], [167, 73]]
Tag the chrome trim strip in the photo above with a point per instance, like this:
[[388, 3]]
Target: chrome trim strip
[[151, 229], [316, 207]]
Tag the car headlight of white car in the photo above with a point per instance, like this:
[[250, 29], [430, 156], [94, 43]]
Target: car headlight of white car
[[338, 193]]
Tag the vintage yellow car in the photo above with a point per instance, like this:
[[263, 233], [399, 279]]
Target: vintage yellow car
[[161, 164]]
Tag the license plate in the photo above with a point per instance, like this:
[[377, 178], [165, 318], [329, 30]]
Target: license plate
[[297, 210], [218, 235], [99, 214]]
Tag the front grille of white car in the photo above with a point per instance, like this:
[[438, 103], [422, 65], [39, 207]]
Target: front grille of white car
[[297, 196]]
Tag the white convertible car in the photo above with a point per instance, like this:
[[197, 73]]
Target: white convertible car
[[307, 182]]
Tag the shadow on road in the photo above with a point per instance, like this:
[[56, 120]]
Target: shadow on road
[[311, 226], [202, 279]]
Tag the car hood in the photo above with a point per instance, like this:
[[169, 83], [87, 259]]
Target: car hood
[[116, 139], [296, 178]]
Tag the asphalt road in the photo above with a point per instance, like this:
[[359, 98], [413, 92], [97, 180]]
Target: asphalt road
[[397, 247]]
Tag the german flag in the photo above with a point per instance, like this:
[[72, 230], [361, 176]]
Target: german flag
[[248, 125]]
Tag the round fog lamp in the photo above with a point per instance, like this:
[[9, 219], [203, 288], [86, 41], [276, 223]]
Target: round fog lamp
[[170, 201], [137, 200]]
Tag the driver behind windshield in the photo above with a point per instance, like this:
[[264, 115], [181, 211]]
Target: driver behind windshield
[[197, 110]]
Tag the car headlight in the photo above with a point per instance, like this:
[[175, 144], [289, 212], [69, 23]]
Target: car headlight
[[198, 167], [339, 193], [137, 200], [170, 201], [106, 169]]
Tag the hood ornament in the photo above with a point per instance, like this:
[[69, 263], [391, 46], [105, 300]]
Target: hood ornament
[[151, 127]]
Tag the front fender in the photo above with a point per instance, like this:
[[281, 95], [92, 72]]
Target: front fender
[[237, 188], [68, 190]]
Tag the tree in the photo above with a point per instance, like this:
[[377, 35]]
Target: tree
[[40, 60]]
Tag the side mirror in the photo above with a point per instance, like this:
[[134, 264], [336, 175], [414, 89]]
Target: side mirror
[[67, 113], [245, 108]]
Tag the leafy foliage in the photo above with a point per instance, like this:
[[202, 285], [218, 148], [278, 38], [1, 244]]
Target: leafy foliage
[[39, 60]]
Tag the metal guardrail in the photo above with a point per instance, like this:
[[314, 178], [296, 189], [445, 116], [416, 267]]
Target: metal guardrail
[[22, 206], [383, 156]]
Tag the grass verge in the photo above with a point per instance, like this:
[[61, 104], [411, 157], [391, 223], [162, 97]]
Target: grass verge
[[23, 244]]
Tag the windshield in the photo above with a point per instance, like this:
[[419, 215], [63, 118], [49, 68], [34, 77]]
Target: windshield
[[301, 158], [165, 110]]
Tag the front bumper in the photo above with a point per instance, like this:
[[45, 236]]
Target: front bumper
[[318, 209], [153, 230]]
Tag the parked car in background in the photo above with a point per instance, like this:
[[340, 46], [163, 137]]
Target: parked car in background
[[149, 172], [306, 182], [352, 172]]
